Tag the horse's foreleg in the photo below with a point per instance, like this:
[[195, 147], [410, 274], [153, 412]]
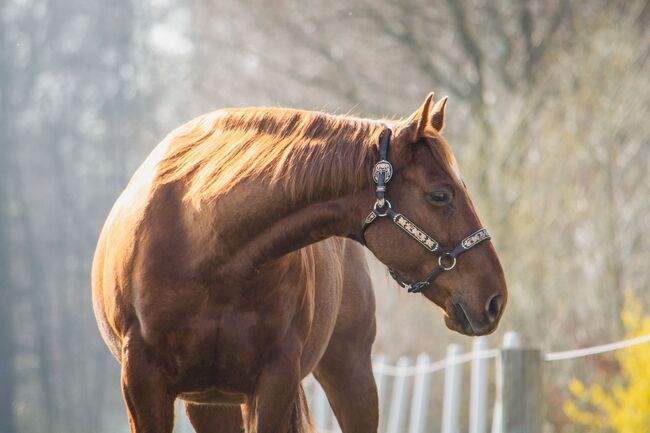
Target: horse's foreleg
[[345, 372], [214, 419], [149, 404], [276, 406]]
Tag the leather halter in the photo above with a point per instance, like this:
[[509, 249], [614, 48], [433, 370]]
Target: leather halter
[[382, 174]]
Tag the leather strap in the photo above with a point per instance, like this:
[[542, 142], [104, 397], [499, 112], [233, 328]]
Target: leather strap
[[447, 257]]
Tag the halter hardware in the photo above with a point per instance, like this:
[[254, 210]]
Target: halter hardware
[[453, 262], [382, 173], [379, 204]]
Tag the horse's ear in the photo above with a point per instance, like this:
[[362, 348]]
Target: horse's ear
[[438, 114], [417, 122]]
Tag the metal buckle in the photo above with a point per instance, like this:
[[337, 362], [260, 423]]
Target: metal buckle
[[385, 167], [379, 205], [417, 287], [447, 268]]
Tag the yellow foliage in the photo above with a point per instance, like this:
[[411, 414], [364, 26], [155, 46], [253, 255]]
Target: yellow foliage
[[625, 406]]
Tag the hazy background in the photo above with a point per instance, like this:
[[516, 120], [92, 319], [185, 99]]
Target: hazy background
[[548, 115]]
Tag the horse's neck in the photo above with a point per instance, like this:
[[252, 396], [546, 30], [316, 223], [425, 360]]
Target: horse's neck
[[260, 224]]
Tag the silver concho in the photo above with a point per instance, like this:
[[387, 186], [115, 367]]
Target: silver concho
[[382, 166]]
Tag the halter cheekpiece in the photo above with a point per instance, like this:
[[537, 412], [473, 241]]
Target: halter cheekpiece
[[381, 174]]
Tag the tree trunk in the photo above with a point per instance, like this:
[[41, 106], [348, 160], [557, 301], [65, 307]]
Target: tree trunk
[[7, 346]]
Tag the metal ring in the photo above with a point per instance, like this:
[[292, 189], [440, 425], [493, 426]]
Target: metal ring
[[446, 268], [376, 208]]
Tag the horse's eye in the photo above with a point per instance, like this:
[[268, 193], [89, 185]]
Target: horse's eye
[[439, 198]]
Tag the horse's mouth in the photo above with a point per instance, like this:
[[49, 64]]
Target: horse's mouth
[[458, 320]]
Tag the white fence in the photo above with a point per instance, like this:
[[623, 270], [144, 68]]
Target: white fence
[[515, 403], [405, 390], [408, 406]]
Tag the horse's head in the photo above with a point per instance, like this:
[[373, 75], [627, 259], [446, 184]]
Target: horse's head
[[425, 234]]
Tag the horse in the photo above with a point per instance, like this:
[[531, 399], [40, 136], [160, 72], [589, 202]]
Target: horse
[[232, 264]]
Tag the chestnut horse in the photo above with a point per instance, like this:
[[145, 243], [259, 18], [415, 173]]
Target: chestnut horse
[[228, 270]]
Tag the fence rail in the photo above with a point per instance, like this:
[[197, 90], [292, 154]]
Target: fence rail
[[516, 403], [596, 350]]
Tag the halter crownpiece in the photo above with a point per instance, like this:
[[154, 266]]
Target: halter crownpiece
[[382, 173]]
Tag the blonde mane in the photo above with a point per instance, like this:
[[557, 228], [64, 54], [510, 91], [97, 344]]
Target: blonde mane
[[307, 152]]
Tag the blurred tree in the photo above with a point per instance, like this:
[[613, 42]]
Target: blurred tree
[[7, 340], [626, 406], [71, 118], [548, 118]]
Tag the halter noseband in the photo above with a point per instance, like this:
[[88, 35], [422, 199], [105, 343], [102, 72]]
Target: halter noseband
[[382, 174]]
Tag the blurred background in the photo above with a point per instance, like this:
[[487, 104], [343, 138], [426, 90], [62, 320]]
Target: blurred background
[[549, 117]]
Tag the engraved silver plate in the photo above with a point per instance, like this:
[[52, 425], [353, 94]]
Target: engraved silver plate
[[371, 217], [416, 233], [382, 166], [475, 238]]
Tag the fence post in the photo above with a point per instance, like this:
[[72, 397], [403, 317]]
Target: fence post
[[510, 341], [420, 398], [398, 402], [478, 389], [451, 402], [521, 393]]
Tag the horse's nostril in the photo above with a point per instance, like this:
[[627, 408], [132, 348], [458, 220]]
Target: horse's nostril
[[493, 308]]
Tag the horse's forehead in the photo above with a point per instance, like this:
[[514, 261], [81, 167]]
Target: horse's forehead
[[447, 156], [456, 170]]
